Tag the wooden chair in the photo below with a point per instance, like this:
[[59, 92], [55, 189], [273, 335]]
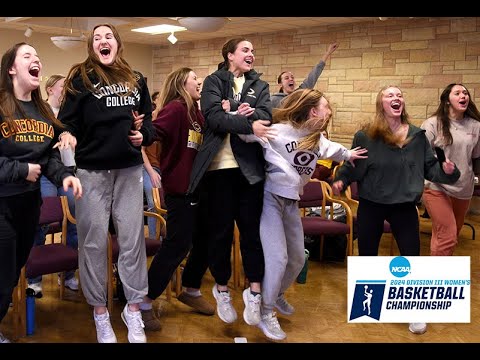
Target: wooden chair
[[54, 257], [318, 193]]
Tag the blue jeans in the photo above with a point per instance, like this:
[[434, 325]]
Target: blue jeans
[[49, 189], [147, 188]]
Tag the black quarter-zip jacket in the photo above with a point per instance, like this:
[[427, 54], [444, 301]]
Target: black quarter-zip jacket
[[249, 156]]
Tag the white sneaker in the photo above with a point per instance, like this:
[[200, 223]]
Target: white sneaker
[[270, 327], [135, 325], [283, 306], [225, 310], [251, 314], [417, 328], [37, 288], [3, 339], [72, 283], [105, 332]]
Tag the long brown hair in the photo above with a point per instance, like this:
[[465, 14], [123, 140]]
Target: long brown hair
[[118, 72], [295, 110], [9, 104], [443, 108], [174, 89], [379, 128]]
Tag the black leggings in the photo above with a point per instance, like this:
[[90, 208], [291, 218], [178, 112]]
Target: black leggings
[[184, 229], [232, 199], [403, 219], [19, 215]]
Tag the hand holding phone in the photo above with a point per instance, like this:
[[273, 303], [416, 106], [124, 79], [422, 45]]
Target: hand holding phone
[[440, 154]]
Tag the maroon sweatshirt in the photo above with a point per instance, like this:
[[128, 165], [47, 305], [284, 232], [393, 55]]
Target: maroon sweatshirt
[[180, 143]]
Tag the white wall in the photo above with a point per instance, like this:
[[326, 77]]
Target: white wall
[[57, 61]]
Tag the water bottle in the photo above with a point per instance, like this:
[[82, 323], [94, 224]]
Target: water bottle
[[30, 308], [302, 277]]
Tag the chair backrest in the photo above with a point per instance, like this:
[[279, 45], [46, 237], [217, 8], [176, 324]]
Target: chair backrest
[[55, 257], [312, 195], [51, 210]]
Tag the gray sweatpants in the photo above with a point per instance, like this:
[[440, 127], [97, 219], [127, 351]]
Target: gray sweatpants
[[281, 233], [119, 192]]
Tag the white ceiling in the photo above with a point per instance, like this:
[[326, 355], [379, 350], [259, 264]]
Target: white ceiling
[[235, 26]]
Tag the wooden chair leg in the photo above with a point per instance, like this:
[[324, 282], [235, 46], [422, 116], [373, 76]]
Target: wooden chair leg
[[62, 285], [322, 239], [169, 290], [178, 283]]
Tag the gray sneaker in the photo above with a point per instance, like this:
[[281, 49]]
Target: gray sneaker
[[225, 310], [251, 314], [283, 306], [3, 339], [135, 325], [270, 327], [104, 328]]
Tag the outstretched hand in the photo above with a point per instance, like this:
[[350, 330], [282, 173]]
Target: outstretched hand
[[357, 153]]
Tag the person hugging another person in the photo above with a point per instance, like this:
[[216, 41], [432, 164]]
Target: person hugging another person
[[233, 173]]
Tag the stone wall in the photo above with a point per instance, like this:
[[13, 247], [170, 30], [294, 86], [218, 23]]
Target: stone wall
[[421, 56]]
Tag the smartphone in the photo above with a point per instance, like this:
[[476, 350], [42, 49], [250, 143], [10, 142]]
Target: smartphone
[[440, 154]]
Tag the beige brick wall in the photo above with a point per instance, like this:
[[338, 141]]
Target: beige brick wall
[[421, 56]]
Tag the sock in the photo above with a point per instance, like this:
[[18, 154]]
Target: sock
[[101, 316], [146, 306], [193, 292], [221, 291]]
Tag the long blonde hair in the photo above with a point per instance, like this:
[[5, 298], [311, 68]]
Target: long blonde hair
[[379, 128], [295, 110]]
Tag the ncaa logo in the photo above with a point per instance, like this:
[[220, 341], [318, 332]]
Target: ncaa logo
[[399, 267]]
